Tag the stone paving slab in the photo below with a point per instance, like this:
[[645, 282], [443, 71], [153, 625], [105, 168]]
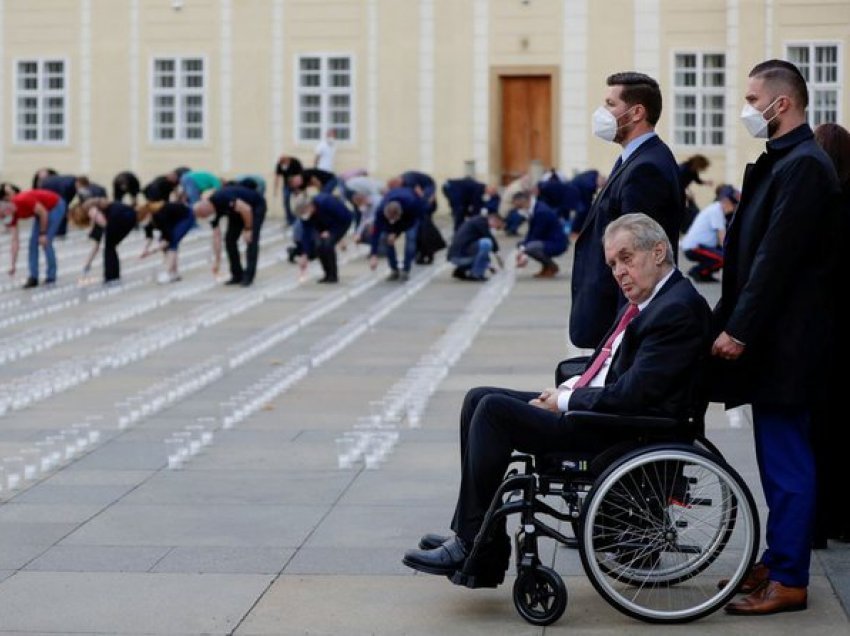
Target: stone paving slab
[[128, 603], [206, 487], [52, 512], [98, 558], [194, 525], [224, 560]]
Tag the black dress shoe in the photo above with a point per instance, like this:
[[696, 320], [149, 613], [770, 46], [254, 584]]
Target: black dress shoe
[[246, 283], [443, 560], [328, 279], [31, 282], [234, 281], [431, 540]]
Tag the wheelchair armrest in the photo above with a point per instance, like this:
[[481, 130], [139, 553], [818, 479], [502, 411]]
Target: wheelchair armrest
[[569, 368], [642, 423]]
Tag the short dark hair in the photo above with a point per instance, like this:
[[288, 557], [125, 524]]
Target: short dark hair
[[698, 162], [639, 88], [780, 71]]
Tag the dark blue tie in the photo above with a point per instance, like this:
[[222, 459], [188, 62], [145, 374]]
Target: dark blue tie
[[617, 164]]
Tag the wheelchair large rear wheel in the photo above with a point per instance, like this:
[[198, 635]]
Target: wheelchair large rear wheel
[[661, 527]]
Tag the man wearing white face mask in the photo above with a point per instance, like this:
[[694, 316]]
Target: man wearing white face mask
[[775, 320], [644, 179]]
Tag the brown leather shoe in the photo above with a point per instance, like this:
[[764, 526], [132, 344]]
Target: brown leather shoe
[[770, 599], [548, 271], [755, 579]]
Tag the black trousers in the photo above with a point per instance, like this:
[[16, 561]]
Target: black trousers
[[326, 253], [117, 228], [493, 423], [235, 225]]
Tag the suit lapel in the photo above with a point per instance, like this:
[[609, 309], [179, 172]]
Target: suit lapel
[[594, 209]]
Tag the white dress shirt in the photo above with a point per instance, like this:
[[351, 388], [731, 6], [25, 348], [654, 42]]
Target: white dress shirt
[[565, 391]]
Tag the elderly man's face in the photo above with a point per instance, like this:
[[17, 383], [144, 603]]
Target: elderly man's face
[[636, 271]]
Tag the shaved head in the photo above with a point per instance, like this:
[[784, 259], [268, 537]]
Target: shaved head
[[781, 77]]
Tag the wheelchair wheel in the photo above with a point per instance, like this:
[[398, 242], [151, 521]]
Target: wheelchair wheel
[[661, 527], [540, 595]]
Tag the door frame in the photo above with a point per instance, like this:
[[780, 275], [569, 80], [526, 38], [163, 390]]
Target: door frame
[[495, 133]]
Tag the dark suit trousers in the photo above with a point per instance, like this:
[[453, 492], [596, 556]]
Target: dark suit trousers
[[787, 471], [116, 230], [235, 225], [493, 423]]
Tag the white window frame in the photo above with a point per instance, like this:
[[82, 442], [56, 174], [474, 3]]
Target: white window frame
[[41, 94], [811, 84], [325, 92], [178, 92], [699, 92]]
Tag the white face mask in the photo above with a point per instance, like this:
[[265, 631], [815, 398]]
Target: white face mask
[[754, 121], [604, 123]]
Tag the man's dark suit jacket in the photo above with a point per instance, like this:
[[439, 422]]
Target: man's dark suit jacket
[[648, 182], [654, 367], [778, 292], [545, 226]]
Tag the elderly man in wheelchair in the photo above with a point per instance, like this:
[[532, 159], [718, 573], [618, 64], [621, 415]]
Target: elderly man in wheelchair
[[666, 530]]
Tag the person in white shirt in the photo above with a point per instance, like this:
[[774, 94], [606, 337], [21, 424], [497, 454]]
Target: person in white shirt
[[326, 152], [703, 242]]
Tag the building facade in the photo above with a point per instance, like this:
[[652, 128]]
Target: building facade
[[98, 86]]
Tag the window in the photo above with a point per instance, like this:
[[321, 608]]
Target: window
[[819, 65], [177, 108], [40, 102], [324, 97], [699, 100]]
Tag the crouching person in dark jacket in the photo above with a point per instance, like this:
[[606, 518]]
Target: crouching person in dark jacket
[[472, 245]]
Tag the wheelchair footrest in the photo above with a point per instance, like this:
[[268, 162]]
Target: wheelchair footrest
[[477, 581]]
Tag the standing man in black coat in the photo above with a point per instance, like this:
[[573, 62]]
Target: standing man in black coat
[[645, 179], [655, 346], [775, 322]]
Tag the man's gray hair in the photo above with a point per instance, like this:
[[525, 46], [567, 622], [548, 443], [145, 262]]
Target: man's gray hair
[[392, 209], [644, 229]]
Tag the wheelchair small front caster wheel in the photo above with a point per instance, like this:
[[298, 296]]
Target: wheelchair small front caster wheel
[[540, 595]]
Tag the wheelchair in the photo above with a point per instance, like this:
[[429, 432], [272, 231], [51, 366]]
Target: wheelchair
[[666, 530]]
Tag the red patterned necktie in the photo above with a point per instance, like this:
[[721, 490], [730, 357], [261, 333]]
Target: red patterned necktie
[[605, 352]]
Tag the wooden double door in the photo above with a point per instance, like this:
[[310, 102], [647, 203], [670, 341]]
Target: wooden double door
[[526, 123]]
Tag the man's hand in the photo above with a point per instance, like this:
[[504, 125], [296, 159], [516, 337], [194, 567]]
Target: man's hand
[[547, 400], [12, 270], [373, 262], [303, 261], [390, 239], [325, 235], [42, 239], [521, 259], [725, 347], [246, 235]]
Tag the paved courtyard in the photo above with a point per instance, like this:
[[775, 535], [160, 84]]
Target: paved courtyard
[[261, 531]]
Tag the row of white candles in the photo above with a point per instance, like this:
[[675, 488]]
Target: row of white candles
[[374, 437]]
